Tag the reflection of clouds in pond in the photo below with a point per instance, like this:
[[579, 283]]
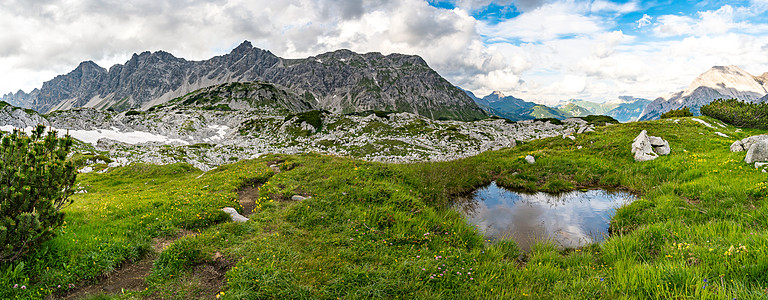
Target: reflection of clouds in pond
[[570, 219]]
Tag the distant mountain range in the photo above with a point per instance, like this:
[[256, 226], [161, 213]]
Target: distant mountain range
[[341, 81], [624, 109], [718, 82], [514, 109]]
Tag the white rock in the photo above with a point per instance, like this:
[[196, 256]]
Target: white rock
[[662, 149], [758, 165], [236, 217], [298, 198], [748, 141], [757, 152], [642, 149], [737, 146], [721, 134], [656, 141], [530, 159], [85, 169]]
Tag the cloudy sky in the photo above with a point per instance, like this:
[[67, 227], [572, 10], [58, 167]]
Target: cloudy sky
[[543, 51]]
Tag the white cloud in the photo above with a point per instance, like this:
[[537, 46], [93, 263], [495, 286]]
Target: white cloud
[[548, 22], [644, 21], [608, 6], [475, 5]]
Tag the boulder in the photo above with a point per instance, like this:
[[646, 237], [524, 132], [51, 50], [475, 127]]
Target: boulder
[[660, 146], [759, 165], [662, 149], [236, 217], [642, 148], [757, 152], [530, 159], [747, 142], [656, 141], [737, 146]]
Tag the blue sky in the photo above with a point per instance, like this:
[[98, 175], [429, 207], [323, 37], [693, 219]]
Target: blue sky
[[539, 50]]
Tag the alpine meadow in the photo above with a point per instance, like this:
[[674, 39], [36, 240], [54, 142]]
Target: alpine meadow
[[409, 149]]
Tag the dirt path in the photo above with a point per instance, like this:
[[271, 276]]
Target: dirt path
[[248, 197], [129, 277]]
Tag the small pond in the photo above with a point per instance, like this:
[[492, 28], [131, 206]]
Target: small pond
[[570, 219]]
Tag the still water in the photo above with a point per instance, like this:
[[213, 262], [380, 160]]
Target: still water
[[570, 219]]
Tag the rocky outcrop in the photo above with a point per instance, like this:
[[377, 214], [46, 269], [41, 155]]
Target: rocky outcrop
[[745, 143], [758, 152], [645, 147], [724, 82], [15, 117], [341, 81]]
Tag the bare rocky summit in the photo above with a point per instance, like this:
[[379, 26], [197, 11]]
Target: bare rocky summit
[[341, 81], [719, 82]]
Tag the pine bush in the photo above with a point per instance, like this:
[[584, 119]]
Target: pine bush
[[36, 181]]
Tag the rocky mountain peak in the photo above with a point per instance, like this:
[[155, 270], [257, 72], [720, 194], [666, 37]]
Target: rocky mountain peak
[[89, 65], [341, 81], [718, 82], [495, 96], [763, 79], [245, 46], [727, 80]]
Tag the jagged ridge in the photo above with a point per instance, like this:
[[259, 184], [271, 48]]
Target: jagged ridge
[[341, 81], [718, 82]]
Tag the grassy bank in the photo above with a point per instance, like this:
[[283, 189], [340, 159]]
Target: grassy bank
[[374, 230]]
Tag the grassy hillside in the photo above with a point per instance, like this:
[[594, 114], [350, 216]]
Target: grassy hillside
[[373, 230], [543, 112]]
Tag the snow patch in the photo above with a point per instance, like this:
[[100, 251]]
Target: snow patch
[[702, 122], [93, 136]]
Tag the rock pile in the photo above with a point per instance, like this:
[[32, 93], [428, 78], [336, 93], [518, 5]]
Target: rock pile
[[756, 147], [646, 147]]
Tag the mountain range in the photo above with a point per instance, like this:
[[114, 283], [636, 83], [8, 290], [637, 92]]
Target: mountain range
[[623, 109], [341, 81], [515, 109], [718, 82]]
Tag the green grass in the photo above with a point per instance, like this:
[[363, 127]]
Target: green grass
[[373, 230]]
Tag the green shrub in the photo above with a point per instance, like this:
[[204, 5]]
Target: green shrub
[[599, 120], [550, 120], [36, 181], [738, 113], [312, 117], [677, 113], [132, 113]]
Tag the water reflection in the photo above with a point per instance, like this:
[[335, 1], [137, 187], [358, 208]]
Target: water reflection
[[569, 219]]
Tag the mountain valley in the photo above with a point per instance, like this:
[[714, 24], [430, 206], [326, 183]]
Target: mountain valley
[[249, 176]]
